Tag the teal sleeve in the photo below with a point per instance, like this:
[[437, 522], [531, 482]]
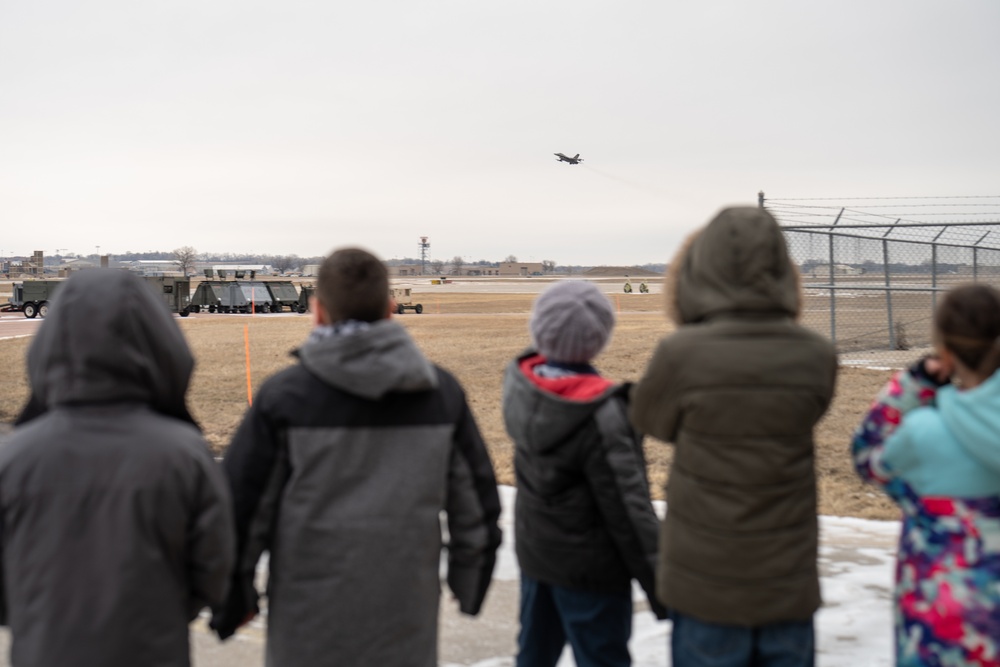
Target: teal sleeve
[[900, 453]]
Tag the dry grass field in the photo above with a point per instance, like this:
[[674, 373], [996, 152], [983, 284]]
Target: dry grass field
[[474, 337]]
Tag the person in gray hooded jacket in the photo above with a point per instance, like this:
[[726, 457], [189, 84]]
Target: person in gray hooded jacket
[[341, 469], [115, 521]]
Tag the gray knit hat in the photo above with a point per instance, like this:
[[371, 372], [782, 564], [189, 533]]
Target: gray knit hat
[[571, 322]]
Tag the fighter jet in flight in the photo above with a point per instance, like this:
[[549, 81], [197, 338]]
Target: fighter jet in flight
[[576, 159]]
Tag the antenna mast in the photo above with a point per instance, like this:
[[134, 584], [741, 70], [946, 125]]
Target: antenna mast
[[424, 246]]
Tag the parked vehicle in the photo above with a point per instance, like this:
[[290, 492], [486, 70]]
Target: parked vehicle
[[32, 297], [176, 293], [404, 300]]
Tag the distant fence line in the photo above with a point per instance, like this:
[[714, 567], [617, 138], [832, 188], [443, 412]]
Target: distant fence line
[[871, 280]]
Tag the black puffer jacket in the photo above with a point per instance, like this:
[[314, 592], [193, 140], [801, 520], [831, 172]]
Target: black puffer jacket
[[583, 517], [115, 520]]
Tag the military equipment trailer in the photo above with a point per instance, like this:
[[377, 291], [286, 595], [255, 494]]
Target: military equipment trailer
[[404, 300], [304, 294], [283, 293], [217, 296], [175, 292], [31, 297]]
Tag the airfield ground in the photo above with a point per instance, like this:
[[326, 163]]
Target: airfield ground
[[473, 329]]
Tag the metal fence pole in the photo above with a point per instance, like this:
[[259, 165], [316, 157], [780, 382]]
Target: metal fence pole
[[888, 293], [833, 296], [888, 281], [975, 257], [933, 277]]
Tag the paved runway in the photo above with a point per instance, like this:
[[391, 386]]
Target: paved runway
[[16, 325]]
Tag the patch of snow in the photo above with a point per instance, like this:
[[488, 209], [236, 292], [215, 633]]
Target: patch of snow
[[853, 628]]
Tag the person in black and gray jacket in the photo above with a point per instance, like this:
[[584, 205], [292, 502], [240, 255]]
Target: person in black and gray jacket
[[341, 469], [115, 521], [584, 523]]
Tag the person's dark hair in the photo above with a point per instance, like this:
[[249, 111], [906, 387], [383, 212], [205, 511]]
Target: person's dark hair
[[353, 284], [967, 323]]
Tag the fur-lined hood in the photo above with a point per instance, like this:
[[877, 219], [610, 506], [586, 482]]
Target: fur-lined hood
[[738, 263]]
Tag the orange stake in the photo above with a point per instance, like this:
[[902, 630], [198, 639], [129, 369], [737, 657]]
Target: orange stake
[[246, 344], [618, 304]]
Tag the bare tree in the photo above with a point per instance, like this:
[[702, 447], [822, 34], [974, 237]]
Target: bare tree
[[185, 257], [510, 259], [282, 263], [456, 265], [548, 266], [437, 266]]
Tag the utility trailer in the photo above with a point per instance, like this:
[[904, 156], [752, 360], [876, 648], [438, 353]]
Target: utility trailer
[[218, 296], [233, 296], [257, 295], [304, 294], [32, 297], [283, 293], [404, 301], [175, 292]]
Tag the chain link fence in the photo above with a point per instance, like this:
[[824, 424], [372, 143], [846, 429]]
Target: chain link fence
[[873, 270]]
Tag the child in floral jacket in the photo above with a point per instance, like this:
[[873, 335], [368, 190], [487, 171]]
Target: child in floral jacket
[[934, 447]]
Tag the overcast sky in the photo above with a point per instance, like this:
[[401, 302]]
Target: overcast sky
[[297, 126]]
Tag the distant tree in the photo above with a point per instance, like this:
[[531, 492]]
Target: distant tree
[[185, 257], [282, 263], [456, 264], [437, 266], [510, 259], [548, 266]]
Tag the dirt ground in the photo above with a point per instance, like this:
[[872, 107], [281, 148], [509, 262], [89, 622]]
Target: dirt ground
[[474, 336]]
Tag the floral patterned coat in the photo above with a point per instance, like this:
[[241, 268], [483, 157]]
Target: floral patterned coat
[[947, 594]]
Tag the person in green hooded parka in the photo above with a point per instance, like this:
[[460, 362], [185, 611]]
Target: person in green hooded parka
[[738, 389]]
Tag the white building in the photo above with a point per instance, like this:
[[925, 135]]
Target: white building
[[232, 267], [155, 267]]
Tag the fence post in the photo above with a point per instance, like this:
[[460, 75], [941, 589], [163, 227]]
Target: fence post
[[934, 269], [933, 278], [888, 293], [975, 256], [833, 295]]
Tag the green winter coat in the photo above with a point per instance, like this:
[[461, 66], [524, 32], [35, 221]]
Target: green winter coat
[[738, 389]]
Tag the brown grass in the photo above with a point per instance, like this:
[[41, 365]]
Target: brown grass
[[451, 303], [475, 343]]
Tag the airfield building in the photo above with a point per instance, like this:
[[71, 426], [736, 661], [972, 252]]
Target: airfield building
[[509, 269]]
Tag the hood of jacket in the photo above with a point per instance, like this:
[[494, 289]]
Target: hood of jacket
[[538, 418], [738, 263], [973, 417], [108, 338], [370, 363]]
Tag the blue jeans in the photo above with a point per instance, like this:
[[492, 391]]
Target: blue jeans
[[697, 643], [596, 625]]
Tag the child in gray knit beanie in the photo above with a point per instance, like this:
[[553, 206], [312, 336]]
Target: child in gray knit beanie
[[584, 526], [571, 322]]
